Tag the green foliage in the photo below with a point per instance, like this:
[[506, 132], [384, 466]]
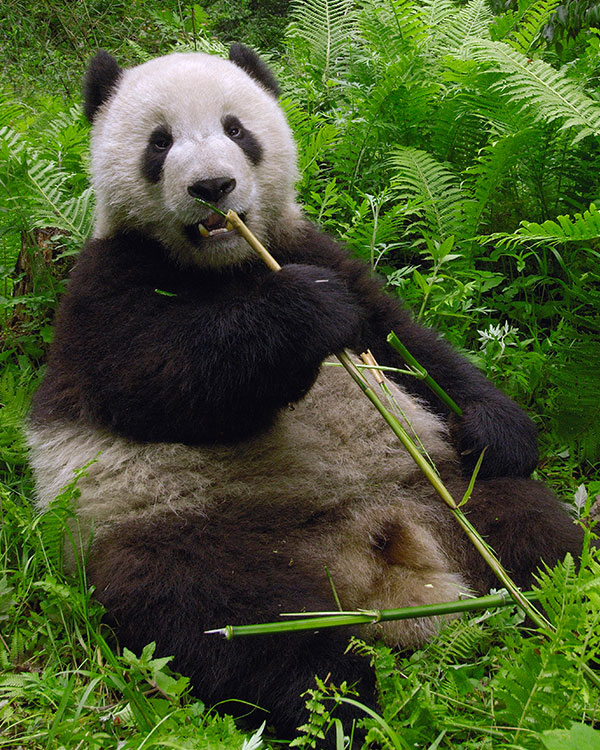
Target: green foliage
[[484, 683], [545, 92], [455, 147], [322, 28]]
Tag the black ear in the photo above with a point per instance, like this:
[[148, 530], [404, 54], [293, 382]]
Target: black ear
[[101, 79], [247, 59]]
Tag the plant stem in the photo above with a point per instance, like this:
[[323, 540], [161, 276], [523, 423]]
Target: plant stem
[[252, 240], [319, 620], [395, 342], [479, 543]]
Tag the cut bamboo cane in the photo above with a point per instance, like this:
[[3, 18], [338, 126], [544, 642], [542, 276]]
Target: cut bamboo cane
[[482, 547]]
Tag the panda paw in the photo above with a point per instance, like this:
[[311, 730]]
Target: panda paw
[[321, 304], [504, 430]]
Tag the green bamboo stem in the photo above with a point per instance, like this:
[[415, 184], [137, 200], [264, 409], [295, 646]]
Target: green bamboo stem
[[335, 620], [395, 342], [481, 546]]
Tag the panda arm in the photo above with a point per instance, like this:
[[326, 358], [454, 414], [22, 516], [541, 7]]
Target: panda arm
[[489, 417], [204, 362]]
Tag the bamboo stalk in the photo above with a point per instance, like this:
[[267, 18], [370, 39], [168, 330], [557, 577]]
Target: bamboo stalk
[[482, 547], [395, 342], [252, 240], [339, 619]]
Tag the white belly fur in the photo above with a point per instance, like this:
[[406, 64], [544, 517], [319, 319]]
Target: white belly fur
[[331, 448], [331, 442]]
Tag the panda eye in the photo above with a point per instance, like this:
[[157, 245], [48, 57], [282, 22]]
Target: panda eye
[[161, 141], [234, 131]]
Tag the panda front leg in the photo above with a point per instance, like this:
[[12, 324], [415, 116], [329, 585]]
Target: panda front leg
[[525, 524], [171, 577]]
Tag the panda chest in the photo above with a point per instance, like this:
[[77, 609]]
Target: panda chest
[[335, 439]]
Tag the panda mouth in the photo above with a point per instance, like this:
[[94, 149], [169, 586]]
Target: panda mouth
[[212, 227]]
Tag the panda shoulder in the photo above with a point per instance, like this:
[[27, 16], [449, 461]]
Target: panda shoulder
[[310, 244], [113, 263]]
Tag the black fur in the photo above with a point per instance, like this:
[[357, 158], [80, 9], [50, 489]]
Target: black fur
[[170, 598], [246, 59], [106, 364], [155, 153], [101, 80], [278, 327], [246, 140]]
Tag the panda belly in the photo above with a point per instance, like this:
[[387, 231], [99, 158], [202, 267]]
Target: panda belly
[[328, 486]]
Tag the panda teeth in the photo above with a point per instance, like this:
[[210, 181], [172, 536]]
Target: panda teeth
[[206, 232], [214, 226], [212, 232]]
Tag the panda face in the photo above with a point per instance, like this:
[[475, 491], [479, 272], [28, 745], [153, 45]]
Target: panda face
[[184, 130]]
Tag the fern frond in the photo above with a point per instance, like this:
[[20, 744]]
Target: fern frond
[[435, 13], [583, 227], [11, 142], [492, 170], [325, 26], [530, 696], [10, 110], [418, 177], [391, 26], [470, 23], [532, 22], [53, 207], [577, 416], [537, 86], [459, 642]]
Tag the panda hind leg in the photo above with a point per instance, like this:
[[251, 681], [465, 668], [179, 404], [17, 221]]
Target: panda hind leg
[[171, 578], [525, 524]]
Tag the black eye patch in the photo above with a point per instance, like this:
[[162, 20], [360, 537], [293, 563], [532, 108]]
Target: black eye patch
[[245, 139], [155, 153]]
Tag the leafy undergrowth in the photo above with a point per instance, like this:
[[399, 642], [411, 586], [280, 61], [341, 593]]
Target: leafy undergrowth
[[486, 682], [455, 151]]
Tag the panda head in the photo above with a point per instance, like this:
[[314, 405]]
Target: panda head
[[185, 127]]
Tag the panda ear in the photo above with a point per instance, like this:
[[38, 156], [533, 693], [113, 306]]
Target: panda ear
[[101, 79], [247, 59]]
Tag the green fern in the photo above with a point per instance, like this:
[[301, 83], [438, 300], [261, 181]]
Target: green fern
[[583, 227], [435, 13], [469, 23], [11, 146], [531, 25], [418, 177], [576, 418], [392, 26], [492, 169], [530, 696], [54, 207], [534, 84], [532, 699], [325, 26]]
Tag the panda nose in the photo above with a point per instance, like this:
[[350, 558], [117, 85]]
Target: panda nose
[[211, 190]]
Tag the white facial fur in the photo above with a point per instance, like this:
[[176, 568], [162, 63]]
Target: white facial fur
[[190, 94]]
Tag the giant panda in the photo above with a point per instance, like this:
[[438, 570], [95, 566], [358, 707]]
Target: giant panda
[[231, 475]]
